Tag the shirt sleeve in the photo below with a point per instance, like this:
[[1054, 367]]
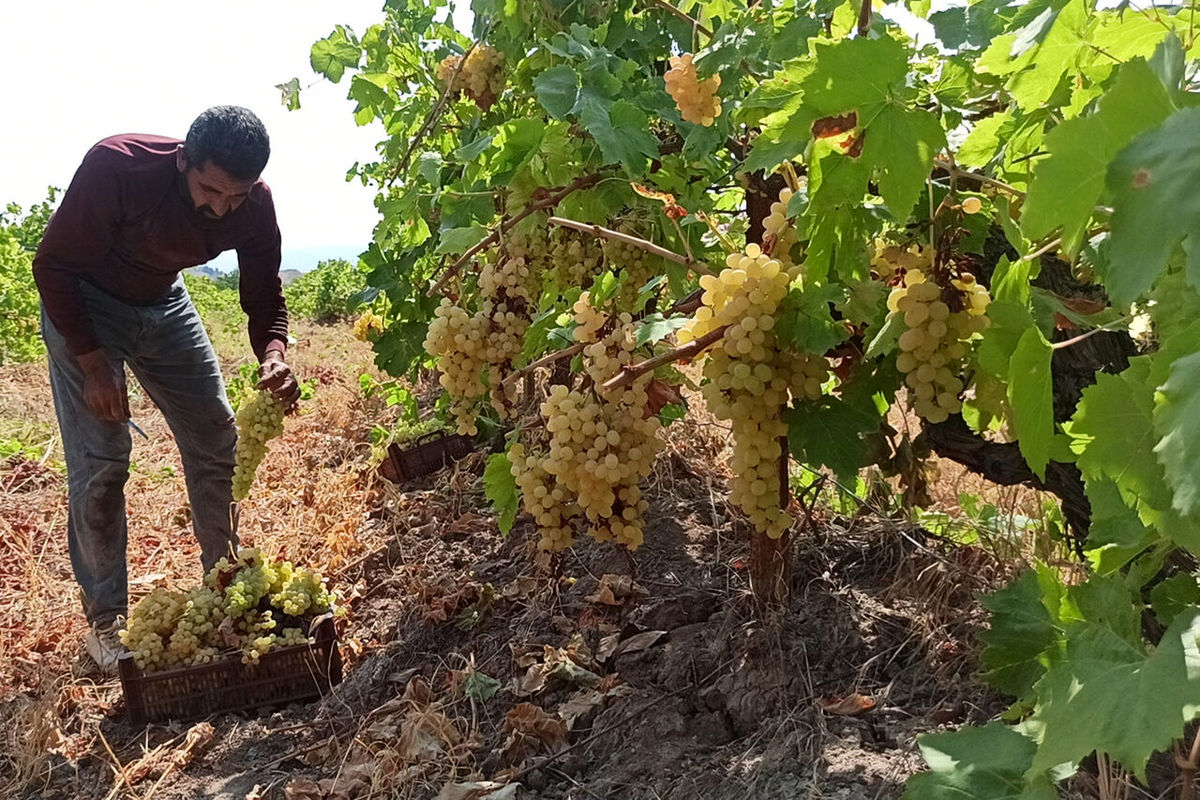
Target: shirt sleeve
[[77, 237], [259, 285]]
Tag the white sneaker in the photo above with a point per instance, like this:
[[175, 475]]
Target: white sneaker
[[104, 646]]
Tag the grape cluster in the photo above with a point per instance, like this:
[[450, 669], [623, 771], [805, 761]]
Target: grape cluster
[[938, 323], [368, 327], [696, 99], [575, 259], [259, 419], [506, 308], [238, 607], [778, 229], [892, 260], [639, 267], [459, 342], [750, 379], [544, 498], [481, 77]]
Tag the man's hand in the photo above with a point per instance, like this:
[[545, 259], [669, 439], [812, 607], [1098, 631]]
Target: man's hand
[[104, 390], [276, 377]]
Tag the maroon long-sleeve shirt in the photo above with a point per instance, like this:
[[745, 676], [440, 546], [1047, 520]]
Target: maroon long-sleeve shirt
[[128, 226]]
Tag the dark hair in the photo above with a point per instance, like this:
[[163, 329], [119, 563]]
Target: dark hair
[[231, 137]]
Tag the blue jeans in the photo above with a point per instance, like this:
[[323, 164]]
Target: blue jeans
[[167, 349]]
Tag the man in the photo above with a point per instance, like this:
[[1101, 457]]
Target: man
[[139, 210]]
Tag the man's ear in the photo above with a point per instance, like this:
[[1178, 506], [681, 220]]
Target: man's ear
[[180, 159]]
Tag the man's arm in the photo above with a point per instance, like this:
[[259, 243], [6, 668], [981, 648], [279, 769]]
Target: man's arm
[[262, 299], [80, 233]]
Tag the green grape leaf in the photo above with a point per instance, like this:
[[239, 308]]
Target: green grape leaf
[[1019, 633], [1104, 600], [984, 140], [1109, 696], [1174, 596], [623, 132], [1009, 321], [400, 347], [557, 90], [830, 432], [290, 94], [1068, 183], [1113, 437], [901, 145], [333, 54], [1155, 205], [1177, 421], [885, 340], [805, 320], [459, 240], [987, 762], [1042, 67], [1031, 398], [1116, 535], [500, 487], [656, 327]]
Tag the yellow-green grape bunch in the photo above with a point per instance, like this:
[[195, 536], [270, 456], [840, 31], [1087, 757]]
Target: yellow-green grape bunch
[[805, 373], [291, 636], [247, 589], [505, 312], [481, 77], [749, 378], [600, 450], [779, 229], [149, 627], [302, 592], [696, 99], [544, 498], [604, 353], [459, 342], [256, 647], [196, 627], [368, 326], [893, 260], [937, 325], [639, 267], [259, 420], [574, 258]]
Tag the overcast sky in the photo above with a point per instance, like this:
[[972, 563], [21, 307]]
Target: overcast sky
[[75, 71]]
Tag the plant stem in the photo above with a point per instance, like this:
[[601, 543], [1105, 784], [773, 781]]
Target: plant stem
[[684, 352], [956, 172], [630, 239], [545, 360], [665, 6]]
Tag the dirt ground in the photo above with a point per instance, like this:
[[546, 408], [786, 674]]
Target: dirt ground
[[475, 669]]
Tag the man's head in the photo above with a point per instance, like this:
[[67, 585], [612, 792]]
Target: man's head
[[224, 153]]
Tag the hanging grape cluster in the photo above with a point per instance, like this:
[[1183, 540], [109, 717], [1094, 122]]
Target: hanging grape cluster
[[750, 378], [246, 606], [481, 77], [938, 322], [697, 100], [259, 419], [778, 229], [639, 267], [368, 327]]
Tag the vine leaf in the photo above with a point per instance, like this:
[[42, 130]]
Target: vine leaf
[[500, 487], [333, 54], [557, 90], [656, 327], [829, 432], [1021, 630], [623, 132], [1177, 420], [1116, 535], [1155, 205], [1109, 696], [1068, 183], [806, 322], [978, 762], [1031, 397]]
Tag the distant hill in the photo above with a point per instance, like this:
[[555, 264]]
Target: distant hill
[[286, 276], [289, 275]]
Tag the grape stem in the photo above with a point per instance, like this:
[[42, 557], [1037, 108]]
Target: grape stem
[[546, 201], [545, 360], [670, 9], [685, 352], [956, 172], [630, 239]]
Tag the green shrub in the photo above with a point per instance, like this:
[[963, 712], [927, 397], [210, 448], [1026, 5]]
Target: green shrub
[[325, 293], [20, 309]]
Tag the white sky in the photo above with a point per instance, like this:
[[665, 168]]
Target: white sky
[[75, 71]]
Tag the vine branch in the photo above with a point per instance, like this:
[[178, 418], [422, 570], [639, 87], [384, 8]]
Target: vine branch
[[544, 361], [630, 239], [548, 201], [670, 9], [685, 352], [957, 172]]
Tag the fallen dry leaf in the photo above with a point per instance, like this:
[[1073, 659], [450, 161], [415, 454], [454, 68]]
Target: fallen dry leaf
[[302, 789], [532, 730], [608, 647], [255, 793], [478, 790], [581, 704], [522, 588], [639, 642], [847, 706]]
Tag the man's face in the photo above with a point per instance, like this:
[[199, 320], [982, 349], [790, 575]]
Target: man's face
[[213, 191]]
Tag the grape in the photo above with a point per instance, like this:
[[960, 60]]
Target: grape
[[778, 229], [639, 267], [697, 100], [972, 205], [481, 77], [259, 419], [368, 327], [935, 337], [458, 341]]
